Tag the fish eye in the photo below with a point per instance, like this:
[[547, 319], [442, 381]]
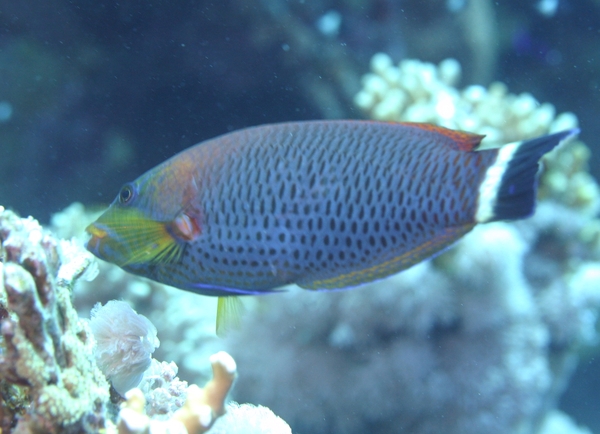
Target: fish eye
[[126, 194]]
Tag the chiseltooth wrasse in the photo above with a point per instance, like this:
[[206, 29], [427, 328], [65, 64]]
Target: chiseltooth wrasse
[[321, 204]]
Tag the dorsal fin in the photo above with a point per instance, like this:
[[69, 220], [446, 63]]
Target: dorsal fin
[[463, 140]]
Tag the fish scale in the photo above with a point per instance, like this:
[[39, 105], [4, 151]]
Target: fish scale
[[323, 204]]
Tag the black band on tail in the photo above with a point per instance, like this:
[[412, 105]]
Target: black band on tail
[[516, 194]]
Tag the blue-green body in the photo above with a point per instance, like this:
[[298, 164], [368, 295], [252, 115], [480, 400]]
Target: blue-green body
[[325, 205]]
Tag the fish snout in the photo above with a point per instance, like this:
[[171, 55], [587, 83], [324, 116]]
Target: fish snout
[[96, 238]]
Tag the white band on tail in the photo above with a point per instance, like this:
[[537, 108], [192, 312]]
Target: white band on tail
[[488, 190]]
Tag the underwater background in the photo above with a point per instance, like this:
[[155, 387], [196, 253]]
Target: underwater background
[[93, 94]]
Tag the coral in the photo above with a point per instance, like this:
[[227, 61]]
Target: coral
[[250, 419], [188, 335], [72, 221], [47, 348], [559, 423], [563, 270], [188, 321], [473, 341], [566, 178], [200, 411], [125, 342], [418, 91], [163, 390]]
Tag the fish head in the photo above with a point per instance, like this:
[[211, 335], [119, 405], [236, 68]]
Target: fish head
[[148, 222]]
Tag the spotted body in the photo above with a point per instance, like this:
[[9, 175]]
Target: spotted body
[[323, 204]]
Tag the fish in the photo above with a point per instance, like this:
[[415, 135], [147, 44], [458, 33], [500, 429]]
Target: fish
[[325, 205]]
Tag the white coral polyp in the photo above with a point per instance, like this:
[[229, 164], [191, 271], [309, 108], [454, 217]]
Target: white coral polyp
[[125, 342]]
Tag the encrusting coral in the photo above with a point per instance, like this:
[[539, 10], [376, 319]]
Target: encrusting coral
[[47, 347]]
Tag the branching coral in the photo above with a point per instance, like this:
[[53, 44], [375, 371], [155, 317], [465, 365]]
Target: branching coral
[[201, 409], [164, 391], [47, 348], [566, 178], [164, 404], [418, 91]]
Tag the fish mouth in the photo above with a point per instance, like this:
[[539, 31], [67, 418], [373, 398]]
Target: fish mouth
[[96, 236], [128, 238], [95, 231], [104, 244]]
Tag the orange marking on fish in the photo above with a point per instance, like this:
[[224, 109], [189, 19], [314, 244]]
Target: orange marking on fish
[[464, 141]]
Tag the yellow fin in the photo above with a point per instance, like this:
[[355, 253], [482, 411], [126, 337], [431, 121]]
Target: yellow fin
[[137, 238], [150, 242], [229, 314]]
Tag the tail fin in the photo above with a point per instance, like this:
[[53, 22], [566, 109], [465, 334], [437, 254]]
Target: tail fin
[[509, 187]]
